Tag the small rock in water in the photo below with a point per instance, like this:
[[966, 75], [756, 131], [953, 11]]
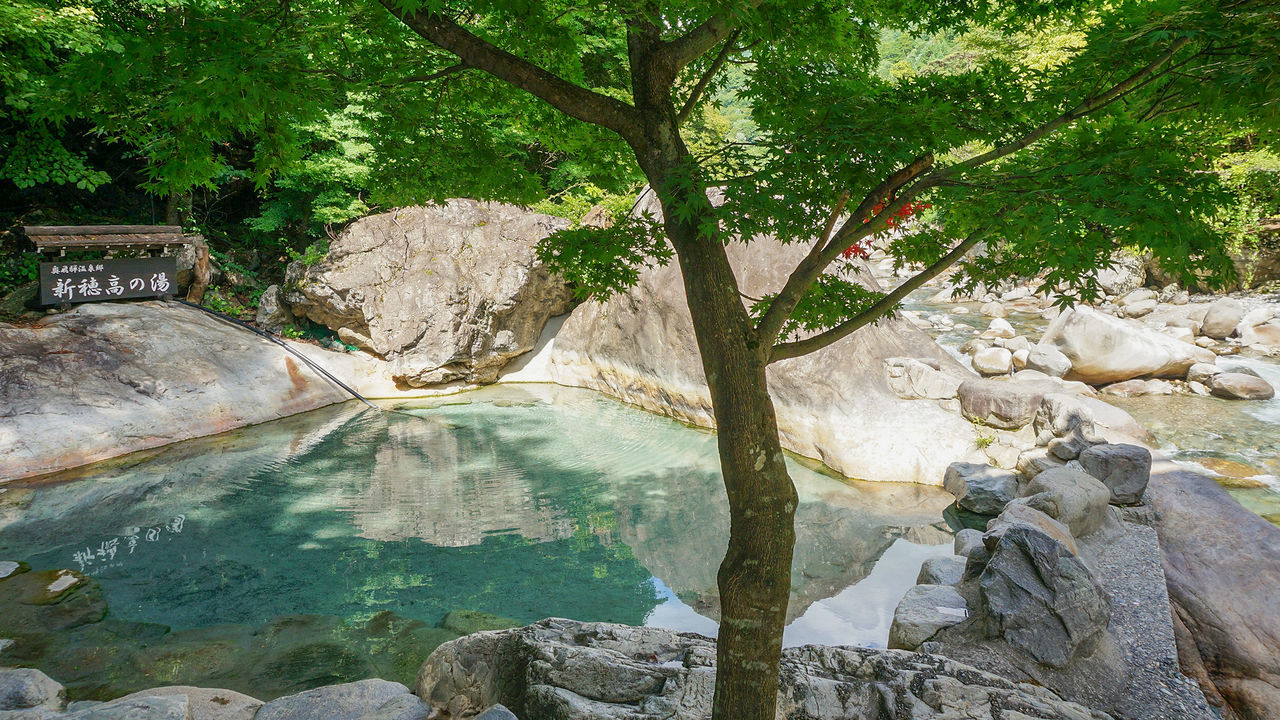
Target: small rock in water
[[1201, 372], [967, 540], [999, 328], [1048, 360], [1240, 386], [23, 688]]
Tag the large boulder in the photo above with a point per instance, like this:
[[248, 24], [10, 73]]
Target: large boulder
[[207, 703], [1222, 566], [1105, 349], [835, 405], [447, 292], [566, 670], [1038, 596], [1003, 404], [106, 379]]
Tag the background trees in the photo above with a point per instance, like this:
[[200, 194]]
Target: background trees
[[1055, 134]]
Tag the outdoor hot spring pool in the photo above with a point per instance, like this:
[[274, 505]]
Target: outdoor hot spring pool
[[346, 543]]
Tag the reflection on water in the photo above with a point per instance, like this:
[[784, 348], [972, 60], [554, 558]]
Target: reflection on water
[[520, 501]]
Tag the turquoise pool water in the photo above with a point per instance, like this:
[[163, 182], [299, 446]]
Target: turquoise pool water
[[521, 501]]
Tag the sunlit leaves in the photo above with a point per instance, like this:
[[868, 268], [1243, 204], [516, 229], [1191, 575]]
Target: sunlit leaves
[[831, 300], [604, 261]]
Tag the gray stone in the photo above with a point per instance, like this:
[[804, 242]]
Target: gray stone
[[1266, 335], [1074, 498], [1221, 318], [1048, 360], [1019, 514], [1125, 469], [980, 488], [1140, 308], [1201, 372], [566, 670], [1127, 388], [207, 703], [348, 701], [1125, 274], [966, 541], [1240, 386], [273, 315], [942, 570], [172, 707], [1141, 295], [497, 712], [23, 688], [10, 567], [448, 292], [1036, 460], [1038, 596], [922, 612], [1104, 349], [993, 361], [999, 403], [403, 707]]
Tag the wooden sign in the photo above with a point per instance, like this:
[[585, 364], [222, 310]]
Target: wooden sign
[[77, 281]]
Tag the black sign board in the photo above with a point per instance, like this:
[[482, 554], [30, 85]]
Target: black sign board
[[77, 281]]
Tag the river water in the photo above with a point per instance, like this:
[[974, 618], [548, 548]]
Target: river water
[[1237, 442], [517, 501]]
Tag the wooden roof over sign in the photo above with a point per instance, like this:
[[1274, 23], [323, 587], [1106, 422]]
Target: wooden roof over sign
[[104, 237]]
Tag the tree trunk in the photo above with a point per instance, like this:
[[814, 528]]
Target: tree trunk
[[755, 576]]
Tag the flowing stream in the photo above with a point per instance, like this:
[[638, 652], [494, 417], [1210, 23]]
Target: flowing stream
[[1237, 442]]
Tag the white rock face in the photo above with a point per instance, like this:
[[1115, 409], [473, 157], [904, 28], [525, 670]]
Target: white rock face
[[449, 292], [993, 361], [106, 379], [835, 405], [1104, 349]]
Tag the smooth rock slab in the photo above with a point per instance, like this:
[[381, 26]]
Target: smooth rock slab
[[348, 701], [980, 488], [24, 688], [207, 703], [1125, 469], [922, 612], [402, 707], [566, 670], [173, 707]]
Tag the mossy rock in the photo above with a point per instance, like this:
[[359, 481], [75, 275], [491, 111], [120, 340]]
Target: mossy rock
[[465, 622], [49, 600], [12, 568]]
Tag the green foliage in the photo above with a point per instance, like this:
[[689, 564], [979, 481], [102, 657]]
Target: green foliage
[[574, 203], [313, 253], [828, 302], [216, 299], [603, 261]]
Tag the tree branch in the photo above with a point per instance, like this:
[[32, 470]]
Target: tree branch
[[1092, 104], [825, 252], [883, 306], [573, 100], [696, 93], [688, 47]]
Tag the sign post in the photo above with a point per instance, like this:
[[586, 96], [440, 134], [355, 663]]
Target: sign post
[[77, 281]]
